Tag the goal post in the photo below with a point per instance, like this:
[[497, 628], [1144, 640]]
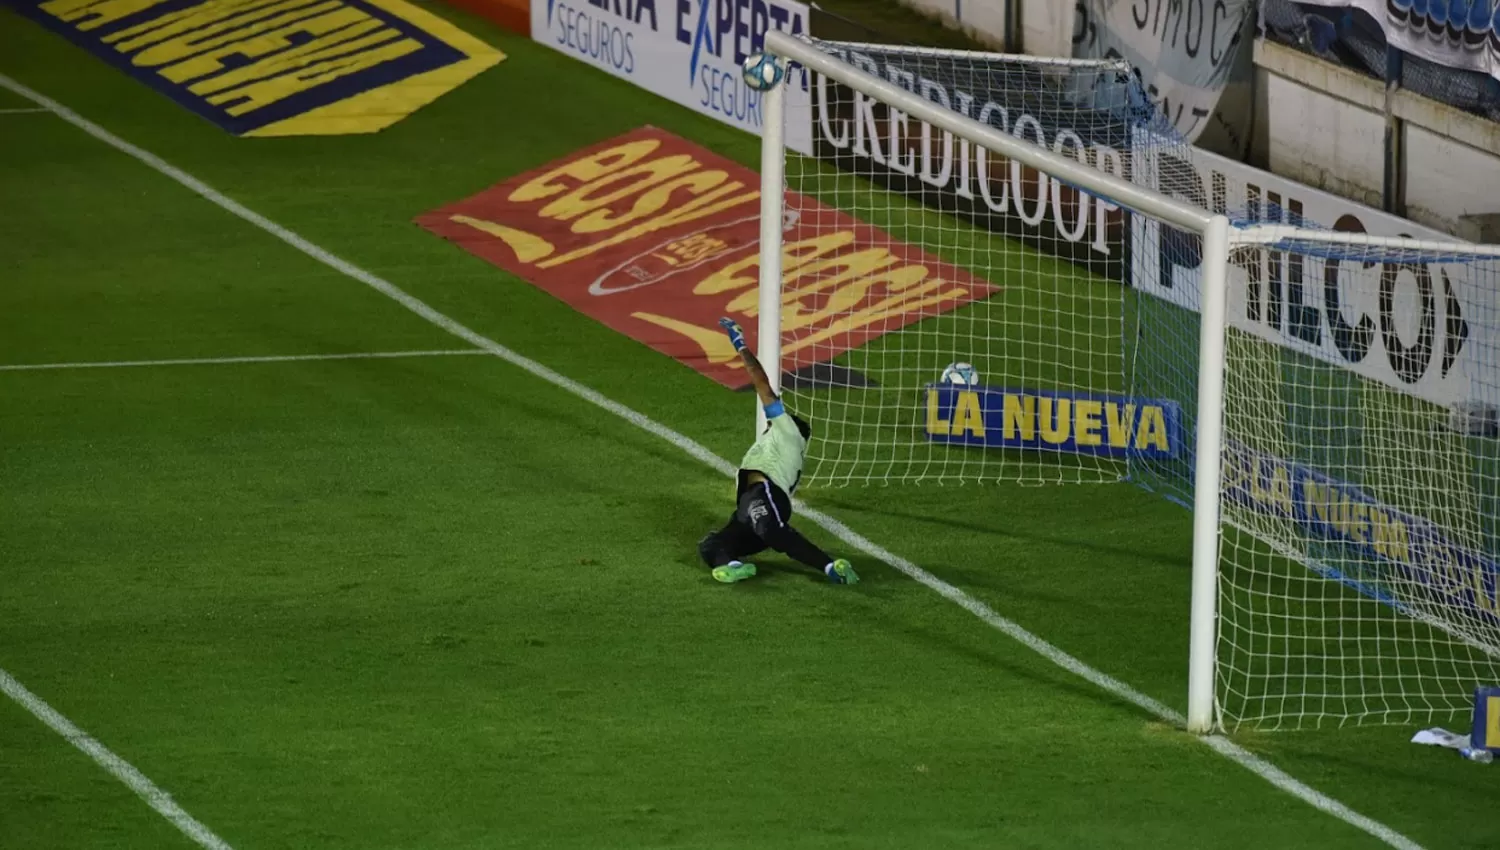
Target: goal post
[[772, 204], [1098, 184], [985, 271]]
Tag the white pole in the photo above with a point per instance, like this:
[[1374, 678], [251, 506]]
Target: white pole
[[1202, 666], [772, 198]]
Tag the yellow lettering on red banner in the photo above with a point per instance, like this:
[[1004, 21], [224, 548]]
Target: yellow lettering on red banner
[[738, 275], [653, 201], [927, 295], [528, 247], [584, 169], [716, 346], [711, 203], [593, 196]]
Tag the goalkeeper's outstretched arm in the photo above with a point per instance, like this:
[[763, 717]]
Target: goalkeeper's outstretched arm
[[752, 365]]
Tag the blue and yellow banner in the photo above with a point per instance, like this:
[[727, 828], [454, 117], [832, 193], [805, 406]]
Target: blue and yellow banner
[[1080, 423], [277, 67], [1486, 731], [1421, 552]]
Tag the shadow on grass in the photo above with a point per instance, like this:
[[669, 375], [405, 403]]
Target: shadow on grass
[[1019, 532]]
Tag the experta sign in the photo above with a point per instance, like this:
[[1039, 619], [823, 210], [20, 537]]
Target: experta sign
[[658, 238], [1415, 325], [1072, 422], [688, 51], [277, 67]]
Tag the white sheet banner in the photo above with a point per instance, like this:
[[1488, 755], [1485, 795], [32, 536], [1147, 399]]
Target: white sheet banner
[[1461, 34], [687, 51], [1192, 56]]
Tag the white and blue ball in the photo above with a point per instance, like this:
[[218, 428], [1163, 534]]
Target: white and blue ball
[[762, 72], [961, 375]]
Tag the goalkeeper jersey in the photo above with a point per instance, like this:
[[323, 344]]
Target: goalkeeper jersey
[[777, 453]]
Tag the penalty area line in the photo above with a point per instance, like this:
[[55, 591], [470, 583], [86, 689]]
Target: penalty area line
[[213, 361], [1272, 774], [119, 768]]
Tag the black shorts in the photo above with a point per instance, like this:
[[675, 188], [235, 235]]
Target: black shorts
[[762, 509]]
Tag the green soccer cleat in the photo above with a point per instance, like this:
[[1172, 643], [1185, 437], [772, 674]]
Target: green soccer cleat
[[729, 574], [841, 572]]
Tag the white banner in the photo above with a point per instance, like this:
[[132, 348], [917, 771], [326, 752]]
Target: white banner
[[1462, 34], [1193, 58], [1422, 328], [688, 51]]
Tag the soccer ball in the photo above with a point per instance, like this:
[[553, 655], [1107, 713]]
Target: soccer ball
[[762, 72], [961, 375]]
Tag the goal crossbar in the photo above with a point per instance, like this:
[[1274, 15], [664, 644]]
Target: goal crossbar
[[1272, 234]]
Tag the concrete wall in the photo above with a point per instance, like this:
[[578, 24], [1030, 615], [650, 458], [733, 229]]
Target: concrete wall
[[1324, 125]]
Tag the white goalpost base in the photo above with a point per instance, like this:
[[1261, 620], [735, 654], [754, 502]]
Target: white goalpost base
[[972, 239]]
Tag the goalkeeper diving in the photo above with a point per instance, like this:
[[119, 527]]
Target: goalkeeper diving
[[767, 477]]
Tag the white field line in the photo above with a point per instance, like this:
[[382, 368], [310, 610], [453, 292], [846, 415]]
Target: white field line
[[119, 768], [214, 361], [30, 110], [1220, 744]]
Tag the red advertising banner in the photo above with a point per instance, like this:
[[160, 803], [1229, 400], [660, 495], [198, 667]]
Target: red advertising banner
[[658, 238]]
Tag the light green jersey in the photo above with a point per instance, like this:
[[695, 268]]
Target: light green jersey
[[778, 453]]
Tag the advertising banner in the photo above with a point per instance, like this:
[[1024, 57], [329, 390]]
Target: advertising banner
[[658, 238], [300, 69], [1098, 424], [1193, 58], [1413, 326], [868, 138], [687, 51]]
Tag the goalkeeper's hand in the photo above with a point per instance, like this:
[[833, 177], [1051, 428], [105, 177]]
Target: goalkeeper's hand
[[736, 334]]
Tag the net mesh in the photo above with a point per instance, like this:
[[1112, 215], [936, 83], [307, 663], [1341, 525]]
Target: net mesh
[[1359, 550], [1037, 324], [1359, 478]]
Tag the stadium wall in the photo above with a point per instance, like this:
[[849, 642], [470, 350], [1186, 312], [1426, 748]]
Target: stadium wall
[[1325, 125]]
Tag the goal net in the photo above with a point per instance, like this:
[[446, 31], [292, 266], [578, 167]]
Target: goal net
[[977, 259], [1359, 485], [1022, 216]]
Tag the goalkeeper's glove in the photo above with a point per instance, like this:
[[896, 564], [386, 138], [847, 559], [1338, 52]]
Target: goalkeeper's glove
[[736, 334]]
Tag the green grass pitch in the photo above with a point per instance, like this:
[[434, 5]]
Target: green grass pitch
[[438, 603]]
